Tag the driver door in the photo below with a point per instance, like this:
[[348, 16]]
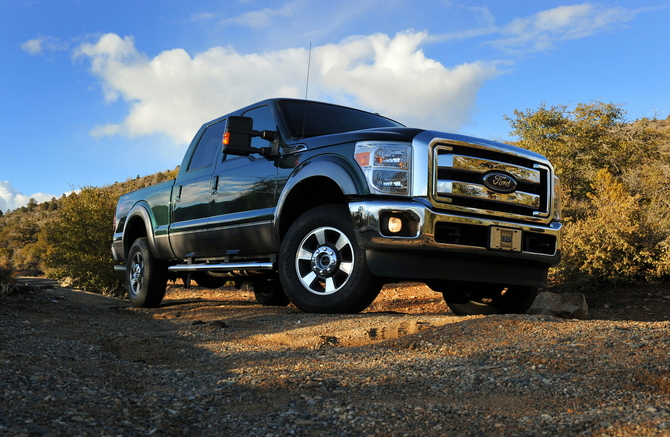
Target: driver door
[[243, 198]]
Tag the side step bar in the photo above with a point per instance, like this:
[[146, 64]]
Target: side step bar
[[225, 267]]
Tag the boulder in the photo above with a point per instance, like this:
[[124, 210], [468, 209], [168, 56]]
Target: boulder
[[564, 305]]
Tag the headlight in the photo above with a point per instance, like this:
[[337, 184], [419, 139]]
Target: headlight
[[386, 166], [557, 198]]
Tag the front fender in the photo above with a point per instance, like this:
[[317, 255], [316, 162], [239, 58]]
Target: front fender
[[343, 173], [348, 177]]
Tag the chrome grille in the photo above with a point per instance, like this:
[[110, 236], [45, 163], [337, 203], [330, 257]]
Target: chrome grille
[[459, 172]]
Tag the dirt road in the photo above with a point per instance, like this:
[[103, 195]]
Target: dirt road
[[216, 363]]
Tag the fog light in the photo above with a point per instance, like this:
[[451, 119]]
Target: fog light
[[395, 224]]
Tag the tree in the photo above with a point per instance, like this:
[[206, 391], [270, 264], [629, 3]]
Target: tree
[[53, 204], [615, 177], [611, 243], [77, 243], [589, 138]]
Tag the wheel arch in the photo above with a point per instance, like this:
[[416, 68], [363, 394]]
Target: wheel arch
[[140, 223], [326, 179]]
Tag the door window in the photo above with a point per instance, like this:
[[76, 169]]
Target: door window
[[207, 147]]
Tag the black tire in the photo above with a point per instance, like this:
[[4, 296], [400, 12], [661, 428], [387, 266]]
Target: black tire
[[471, 298], [146, 276], [270, 293], [321, 266], [204, 279]]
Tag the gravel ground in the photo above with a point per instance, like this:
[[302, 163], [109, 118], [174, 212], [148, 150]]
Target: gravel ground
[[212, 363]]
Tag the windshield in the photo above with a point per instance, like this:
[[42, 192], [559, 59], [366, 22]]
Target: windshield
[[306, 119]]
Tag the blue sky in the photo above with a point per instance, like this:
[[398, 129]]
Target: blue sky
[[95, 92]]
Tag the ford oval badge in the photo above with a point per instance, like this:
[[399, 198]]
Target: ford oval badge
[[500, 182]]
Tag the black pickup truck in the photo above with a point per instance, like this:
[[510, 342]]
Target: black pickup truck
[[319, 205]]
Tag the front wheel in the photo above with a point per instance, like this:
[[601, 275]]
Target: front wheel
[[321, 266], [468, 298], [146, 276]]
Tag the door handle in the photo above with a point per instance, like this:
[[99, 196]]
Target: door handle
[[178, 196], [215, 184]]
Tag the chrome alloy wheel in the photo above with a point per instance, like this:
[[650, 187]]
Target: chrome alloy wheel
[[324, 261], [136, 274]]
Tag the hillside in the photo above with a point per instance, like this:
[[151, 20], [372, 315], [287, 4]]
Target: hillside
[[664, 126], [20, 246]]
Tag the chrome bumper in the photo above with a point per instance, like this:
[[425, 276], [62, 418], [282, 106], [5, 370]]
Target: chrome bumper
[[422, 256]]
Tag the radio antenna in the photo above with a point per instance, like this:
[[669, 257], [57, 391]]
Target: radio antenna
[[309, 63], [304, 114]]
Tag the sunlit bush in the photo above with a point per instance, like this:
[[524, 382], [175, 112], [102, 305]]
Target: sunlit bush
[[6, 272], [611, 243], [77, 242], [616, 176]]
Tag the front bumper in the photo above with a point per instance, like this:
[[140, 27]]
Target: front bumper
[[436, 245]]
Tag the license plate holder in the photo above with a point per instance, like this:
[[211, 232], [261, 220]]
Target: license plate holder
[[505, 239]]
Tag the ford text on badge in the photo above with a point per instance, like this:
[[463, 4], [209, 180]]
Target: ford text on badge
[[500, 182]]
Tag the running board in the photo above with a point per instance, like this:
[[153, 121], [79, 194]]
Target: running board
[[225, 267]]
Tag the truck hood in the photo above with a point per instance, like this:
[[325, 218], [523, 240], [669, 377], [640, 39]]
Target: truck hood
[[405, 134], [400, 134], [428, 135]]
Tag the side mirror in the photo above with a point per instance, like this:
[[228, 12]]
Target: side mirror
[[237, 136]]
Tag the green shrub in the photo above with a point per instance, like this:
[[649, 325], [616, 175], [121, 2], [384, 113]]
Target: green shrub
[[77, 242], [611, 243], [6, 273], [616, 180]]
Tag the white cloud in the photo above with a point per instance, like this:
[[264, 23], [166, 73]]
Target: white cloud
[[264, 17], [11, 198], [204, 16], [394, 77], [38, 46], [544, 29], [482, 15], [33, 46], [174, 93]]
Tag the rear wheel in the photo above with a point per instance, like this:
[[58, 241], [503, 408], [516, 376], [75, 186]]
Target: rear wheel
[[471, 298], [321, 266], [270, 293], [146, 276]]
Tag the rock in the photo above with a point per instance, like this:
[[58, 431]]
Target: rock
[[565, 305], [219, 324], [66, 282], [327, 341]]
